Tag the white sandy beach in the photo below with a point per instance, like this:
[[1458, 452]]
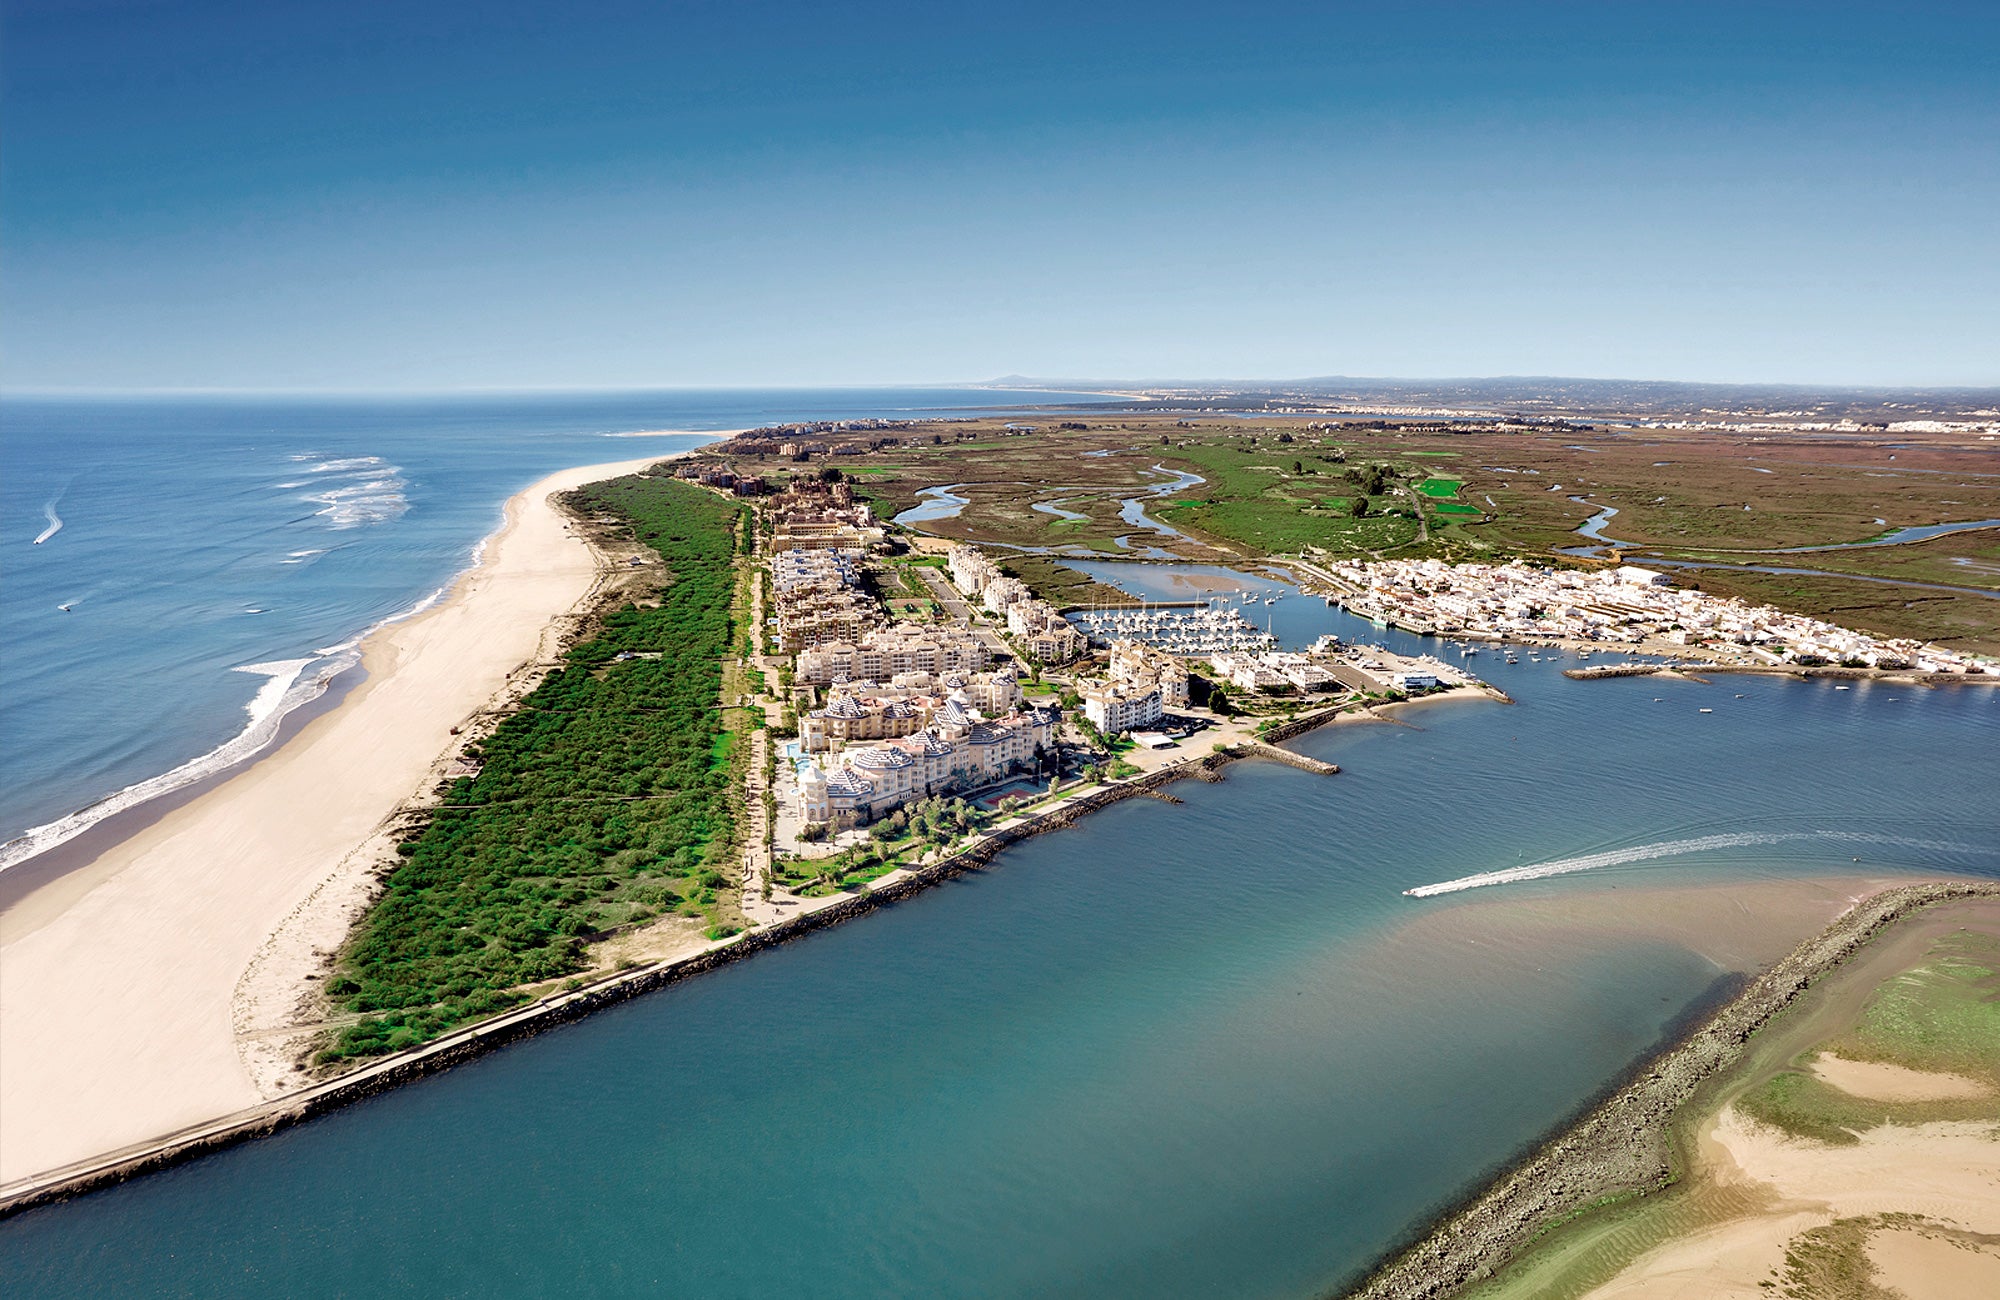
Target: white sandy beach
[[116, 981]]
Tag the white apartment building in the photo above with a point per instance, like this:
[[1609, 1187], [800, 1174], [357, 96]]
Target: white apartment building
[[882, 654], [1002, 592], [959, 750], [1138, 665], [970, 571], [1113, 708]]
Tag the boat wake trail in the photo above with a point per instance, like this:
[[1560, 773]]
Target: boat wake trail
[[1672, 849], [55, 522]]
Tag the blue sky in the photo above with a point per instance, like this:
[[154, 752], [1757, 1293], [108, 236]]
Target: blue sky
[[425, 195]]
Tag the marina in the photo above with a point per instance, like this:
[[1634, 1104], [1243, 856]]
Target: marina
[[1178, 627]]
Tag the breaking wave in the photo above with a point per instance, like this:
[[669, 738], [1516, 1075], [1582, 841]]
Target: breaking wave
[[287, 685], [352, 491], [1673, 849]]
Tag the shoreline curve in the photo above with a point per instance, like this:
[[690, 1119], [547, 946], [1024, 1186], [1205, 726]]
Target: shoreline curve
[[118, 977]]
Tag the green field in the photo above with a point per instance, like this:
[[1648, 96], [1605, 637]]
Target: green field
[[604, 801], [1440, 487], [1941, 1015], [1276, 526]]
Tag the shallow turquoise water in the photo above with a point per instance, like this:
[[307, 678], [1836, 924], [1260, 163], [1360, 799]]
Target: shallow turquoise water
[[1175, 1051]]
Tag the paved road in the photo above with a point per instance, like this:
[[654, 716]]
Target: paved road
[[961, 611]]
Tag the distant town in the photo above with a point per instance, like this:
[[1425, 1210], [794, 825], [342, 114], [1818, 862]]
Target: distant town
[[1630, 607]]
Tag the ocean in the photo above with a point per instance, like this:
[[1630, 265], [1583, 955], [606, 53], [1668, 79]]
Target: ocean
[[1195, 1050], [181, 573]]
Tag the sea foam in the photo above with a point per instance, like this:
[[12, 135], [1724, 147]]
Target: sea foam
[[287, 685], [352, 491]]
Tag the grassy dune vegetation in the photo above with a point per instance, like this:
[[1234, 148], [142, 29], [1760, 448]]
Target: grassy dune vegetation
[[1929, 1005], [604, 801]]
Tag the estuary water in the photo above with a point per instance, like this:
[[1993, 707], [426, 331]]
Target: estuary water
[[182, 572], [1196, 1050]]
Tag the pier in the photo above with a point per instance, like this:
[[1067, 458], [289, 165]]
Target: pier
[[1258, 749]]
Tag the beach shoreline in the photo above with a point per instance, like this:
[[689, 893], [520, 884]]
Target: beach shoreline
[[271, 980], [121, 972]]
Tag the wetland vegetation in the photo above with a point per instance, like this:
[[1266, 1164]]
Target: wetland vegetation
[[1467, 490]]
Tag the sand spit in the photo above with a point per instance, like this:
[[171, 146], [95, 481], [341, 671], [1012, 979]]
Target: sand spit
[[117, 980], [1624, 1145], [1943, 1172]]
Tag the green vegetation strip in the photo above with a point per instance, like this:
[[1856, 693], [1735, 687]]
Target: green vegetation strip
[[1942, 1016], [604, 801], [1440, 487]]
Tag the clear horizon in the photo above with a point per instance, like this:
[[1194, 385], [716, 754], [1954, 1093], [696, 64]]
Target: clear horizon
[[445, 197], [1024, 383]]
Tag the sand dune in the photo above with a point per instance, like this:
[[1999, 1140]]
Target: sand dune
[[116, 981]]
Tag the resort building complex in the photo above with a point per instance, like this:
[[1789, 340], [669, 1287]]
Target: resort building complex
[[1113, 707], [864, 711], [960, 749], [1039, 626], [885, 653]]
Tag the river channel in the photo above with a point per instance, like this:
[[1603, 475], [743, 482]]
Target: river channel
[[1196, 1050]]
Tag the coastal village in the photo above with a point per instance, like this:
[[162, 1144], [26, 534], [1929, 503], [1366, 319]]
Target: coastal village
[[999, 697], [981, 690], [1630, 607]]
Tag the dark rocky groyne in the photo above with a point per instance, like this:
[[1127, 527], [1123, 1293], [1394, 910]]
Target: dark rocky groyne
[[1624, 1145], [560, 1008], [606, 990]]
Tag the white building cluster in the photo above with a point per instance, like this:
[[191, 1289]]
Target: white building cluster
[[959, 749], [862, 710], [1144, 683], [818, 598], [884, 653], [1629, 605], [1273, 672], [1043, 632]]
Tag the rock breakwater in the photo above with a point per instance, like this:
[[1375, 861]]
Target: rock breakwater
[[1624, 1146]]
